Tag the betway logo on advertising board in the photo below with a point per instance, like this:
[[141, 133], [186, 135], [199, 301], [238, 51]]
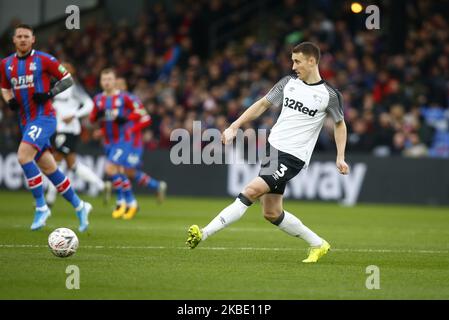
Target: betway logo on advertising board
[[321, 181]]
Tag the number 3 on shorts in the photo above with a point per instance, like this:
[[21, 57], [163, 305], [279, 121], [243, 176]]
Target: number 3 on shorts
[[35, 132]]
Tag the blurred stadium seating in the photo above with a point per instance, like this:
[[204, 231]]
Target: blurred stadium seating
[[209, 60]]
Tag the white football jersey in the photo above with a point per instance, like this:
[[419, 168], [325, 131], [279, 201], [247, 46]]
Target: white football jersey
[[72, 102], [304, 108]]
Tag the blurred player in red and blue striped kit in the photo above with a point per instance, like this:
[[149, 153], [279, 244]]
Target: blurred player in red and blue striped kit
[[133, 168], [120, 119], [25, 82]]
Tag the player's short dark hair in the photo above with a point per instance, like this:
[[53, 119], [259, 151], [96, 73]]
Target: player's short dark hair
[[24, 26], [109, 70], [308, 49]]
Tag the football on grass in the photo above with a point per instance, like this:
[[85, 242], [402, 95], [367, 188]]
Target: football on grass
[[63, 242]]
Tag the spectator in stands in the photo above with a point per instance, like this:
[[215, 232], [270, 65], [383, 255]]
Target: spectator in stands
[[165, 56]]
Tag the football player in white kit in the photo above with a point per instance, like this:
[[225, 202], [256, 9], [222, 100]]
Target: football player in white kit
[[305, 100], [70, 106]]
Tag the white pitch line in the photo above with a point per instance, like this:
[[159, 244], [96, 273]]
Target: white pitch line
[[161, 227], [231, 248]]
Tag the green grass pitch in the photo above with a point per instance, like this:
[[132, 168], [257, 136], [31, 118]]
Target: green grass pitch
[[146, 258]]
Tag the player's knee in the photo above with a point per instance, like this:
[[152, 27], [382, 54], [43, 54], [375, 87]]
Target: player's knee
[[71, 162], [252, 192], [24, 157], [272, 214], [110, 170], [47, 167]]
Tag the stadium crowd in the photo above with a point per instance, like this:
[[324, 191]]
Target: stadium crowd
[[395, 103]]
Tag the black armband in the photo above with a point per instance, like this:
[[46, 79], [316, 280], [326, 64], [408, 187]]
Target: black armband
[[61, 86]]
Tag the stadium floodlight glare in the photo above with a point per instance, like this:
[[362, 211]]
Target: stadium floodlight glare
[[356, 7]]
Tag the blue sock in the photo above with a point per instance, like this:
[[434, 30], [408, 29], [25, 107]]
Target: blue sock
[[62, 184], [117, 185], [145, 180], [34, 179], [127, 191]]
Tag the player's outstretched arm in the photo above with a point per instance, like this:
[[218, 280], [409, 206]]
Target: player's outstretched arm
[[340, 141], [249, 115]]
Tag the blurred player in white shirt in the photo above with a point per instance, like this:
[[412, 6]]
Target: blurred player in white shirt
[[70, 106]]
